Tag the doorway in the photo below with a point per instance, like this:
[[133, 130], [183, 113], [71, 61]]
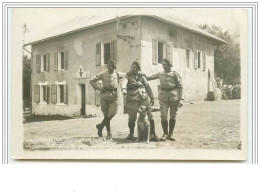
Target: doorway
[[83, 99]]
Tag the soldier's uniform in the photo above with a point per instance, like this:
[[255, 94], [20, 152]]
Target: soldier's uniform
[[138, 90], [108, 95], [171, 92]]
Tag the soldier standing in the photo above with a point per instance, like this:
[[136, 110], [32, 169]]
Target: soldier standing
[[108, 95], [136, 87], [170, 96]]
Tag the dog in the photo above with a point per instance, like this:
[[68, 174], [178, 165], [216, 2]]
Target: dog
[[143, 125]]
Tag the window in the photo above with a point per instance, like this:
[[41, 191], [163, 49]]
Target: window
[[44, 93], [188, 58], [159, 51], [43, 63], [199, 60], [41, 93], [106, 52], [59, 93], [61, 61], [61, 87]]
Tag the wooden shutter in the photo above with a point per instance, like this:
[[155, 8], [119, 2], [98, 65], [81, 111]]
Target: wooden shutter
[[113, 50], [54, 93], [38, 63], [98, 54], [65, 95], [37, 93], [169, 52], [48, 62], [204, 60], [56, 60], [66, 60], [195, 60], [155, 51], [48, 94]]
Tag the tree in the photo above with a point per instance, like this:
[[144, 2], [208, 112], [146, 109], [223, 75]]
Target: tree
[[226, 57], [26, 80]]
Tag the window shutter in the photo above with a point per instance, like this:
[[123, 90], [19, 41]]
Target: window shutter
[[54, 93], [98, 54], [66, 60], [37, 93], [195, 60], [48, 94], [65, 91], [204, 60], [155, 51], [169, 51], [113, 50], [56, 60], [48, 62], [38, 63]]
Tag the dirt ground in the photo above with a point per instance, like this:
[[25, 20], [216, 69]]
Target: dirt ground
[[208, 125]]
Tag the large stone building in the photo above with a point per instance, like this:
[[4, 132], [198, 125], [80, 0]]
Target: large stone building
[[65, 58]]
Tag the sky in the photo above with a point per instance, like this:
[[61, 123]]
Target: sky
[[40, 20]]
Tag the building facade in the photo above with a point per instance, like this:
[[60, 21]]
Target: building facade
[[63, 64]]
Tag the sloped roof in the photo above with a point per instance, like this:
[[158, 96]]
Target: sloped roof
[[82, 22]]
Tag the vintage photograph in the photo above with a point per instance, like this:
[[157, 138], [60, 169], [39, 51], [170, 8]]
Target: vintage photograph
[[131, 84]]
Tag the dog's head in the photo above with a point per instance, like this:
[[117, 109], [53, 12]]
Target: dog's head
[[142, 110]]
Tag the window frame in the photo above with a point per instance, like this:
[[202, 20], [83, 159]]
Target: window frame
[[42, 93], [43, 63], [60, 60], [188, 62], [199, 60], [58, 92]]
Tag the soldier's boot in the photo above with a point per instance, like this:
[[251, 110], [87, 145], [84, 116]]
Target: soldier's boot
[[171, 128], [153, 136], [131, 128], [101, 126], [165, 129], [109, 134]]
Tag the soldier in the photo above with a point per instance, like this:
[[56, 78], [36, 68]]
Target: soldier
[[136, 87], [108, 95], [170, 96]]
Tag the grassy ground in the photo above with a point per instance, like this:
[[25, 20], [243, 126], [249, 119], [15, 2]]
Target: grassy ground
[[202, 125]]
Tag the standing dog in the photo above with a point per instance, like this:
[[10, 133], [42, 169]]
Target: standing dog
[[143, 125]]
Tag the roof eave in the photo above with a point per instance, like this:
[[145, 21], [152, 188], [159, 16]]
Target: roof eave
[[216, 39], [80, 29]]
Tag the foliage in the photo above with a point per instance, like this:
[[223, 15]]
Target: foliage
[[26, 80], [226, 56]]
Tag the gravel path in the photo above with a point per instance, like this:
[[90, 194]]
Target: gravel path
[[209, 125]]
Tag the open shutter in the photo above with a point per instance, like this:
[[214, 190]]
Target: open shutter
[[38, 63], [47, 94], [195, 60], [65, 94], [48, 62], [66, 60], [56, 60], [113, 50], [204, 60], [37, 93], [98, 54], [169, 51], [54, 93], [155, 51]]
